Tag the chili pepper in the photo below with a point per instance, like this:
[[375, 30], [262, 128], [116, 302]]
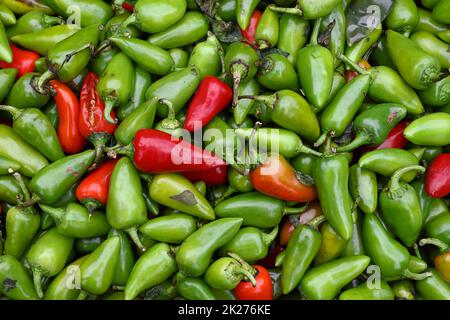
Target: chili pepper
[[126, 209], [22, 60], [441, 6], [9, 190], [7, 78], [7, 17], [34, 127], [211, 177], [212, 96], [174, 228], [403, 17], [244, 12], [22, 7], [207, 57], [226, 273], [237, 182], [5, 52], [380, 55], [431, 153], [294, 33], [403, 290], [438, 176], [164, 291], [315, 68], [50, 183], [290, 110], [394, 139], [276, 73], [177, 87], [387, 161], [309, 9], [87, 245], [427, 67], [429, 3], [256, 209], [434, 287], [58, 288], [282, 182], [438, 227], [90, 12], [267, 30], [433, 46], [101, 59], [156, 16], [194, 289], [261, 291], [365, 292], [88, 224], [250, 243], [190, 28], [355, 246], [196, 251], [8, 164], [249, 32], [140, 118], [47, 256], [243, 107], [158, 258], [441, 260], [42, 40], [97, 270], [374, 125], [444, 35], [430, 130], [180, 58], [325, 281], [13, 147], [333, 28], [33, 21], [364, 188], [401, 209], [331, 245], [357, 51], [438, 94], [15, 281], [23, 94], [431, 207]]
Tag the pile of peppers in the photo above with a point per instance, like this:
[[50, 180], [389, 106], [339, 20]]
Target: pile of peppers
[[224, 150]]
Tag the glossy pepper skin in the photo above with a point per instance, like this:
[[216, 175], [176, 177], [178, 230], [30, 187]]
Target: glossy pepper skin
[[310, 9], [7, 78], [438, 227], [174, 228], [325, 281], [331, 177], [433, 46], [430, 130], [267, 30], [437, 12], [442, 260], [33, 21], [438, 176], [226, 273], [55, 179], [125, 208], [15, 281], [403, 17], [434, 287], [125, 261], [332, 245], [35, 128], [438, 94], [363, 186], [195, 253], [244, 12], [24, 95], [294, 33], [276, 73], [364, 292], [70, 137], [158, 258], [23, 61], [91, 12], [206, 56], [400, 206], [261, 291], [275, 177], [212, 96], [249, 32], [194, 289]]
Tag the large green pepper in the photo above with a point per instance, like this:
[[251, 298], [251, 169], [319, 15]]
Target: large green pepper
[[174, 228], [430, 130], [403, 17], [206, 56], [433, 46], [276, 73], [294, 33], [15, 282], [24, 95]]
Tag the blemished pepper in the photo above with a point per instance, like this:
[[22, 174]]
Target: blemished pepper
[[365, 292], [50, 183], [442, 259], [363, 187], [15, 281], [325, 281], [47, 256], [276, 72], [160, 259], [195, 253], [257, 210], [430, 130], [400, 206], [315, 68], [126, 209], [434, 287], [438, 176]]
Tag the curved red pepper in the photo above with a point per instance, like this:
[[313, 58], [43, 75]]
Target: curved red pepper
[[262, 291], [93, 190], [157, 151], [212, 96], [437, 182], [211, 177], [249, 33], [68, 109], [23, 61]]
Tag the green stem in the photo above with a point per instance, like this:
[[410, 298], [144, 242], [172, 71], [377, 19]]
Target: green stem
[[394, 183], [37, 280], [109, 105], [269, 101], [416, 276], [443, 247], [248, 275], [104, 45], [82, 295], [130, 20], [247, 269], [170, 122], [290, 210], [127, 150], [22, 185], [307, 150], [132, 232], [296, 10], [321, 139], [50, 21], [357, 142], [237, 75], [40, 86], [417, 251], [269, 237], [57, 214], [315, 33], [314, 223], [352, 64], [15, 112]]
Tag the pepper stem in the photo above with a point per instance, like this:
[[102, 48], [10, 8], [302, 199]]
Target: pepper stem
[[40, 86], [320, 141], [127, 150], [394, 184], [357, 142], [236, 81], [314, 223], [416, 276], [82, 295], [170, 122], [290, 210], [249, 276], [269, 101], [56, 213], [130, 20], [269, 237], [37, 280], [15, 112], [99, 141], [417, 251], [307, 150], [50, 21], [296, 10], [247, 269], [109, 105], [104, 45], [443, 247], [315, 33], [23, 187], [132, 232], [352, 64]]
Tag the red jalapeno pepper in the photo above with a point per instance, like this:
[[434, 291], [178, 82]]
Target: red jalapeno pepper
[[249, 32], [93, 126], [23, 61], [70, 137], [437, 182], [213, 176], [212, 96], [261, 291], [93, 190]]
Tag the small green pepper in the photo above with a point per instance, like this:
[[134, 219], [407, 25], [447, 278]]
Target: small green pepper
[[174, 228], [24, 95], [276, 73], [294, 33], [430, 130], [438, 94], [206, 56], [363, 186]]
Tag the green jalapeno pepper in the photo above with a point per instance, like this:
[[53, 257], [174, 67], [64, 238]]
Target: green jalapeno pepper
[[10, 189], [243, 107], [433, 46], [194, 289], [364, 188], [226, 273], [404, 289], [428, 23], [276, 73], [267, 30], [23, 94], [434, 287], [294, 33], [206, 56], [87, 245], [430, 130], [15, 281], [174, 228], [7, 79], [331, 246], [438, 94], [439, 10], [89, 11], [365, 292], [438, 227], [403, 17], [244, 11]]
